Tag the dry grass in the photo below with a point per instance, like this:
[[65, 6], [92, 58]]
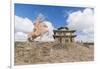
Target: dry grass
[[38, 53]]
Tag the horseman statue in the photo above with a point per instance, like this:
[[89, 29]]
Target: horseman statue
[[42, 31]]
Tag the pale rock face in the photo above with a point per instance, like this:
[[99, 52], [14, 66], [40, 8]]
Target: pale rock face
[[47, 36]]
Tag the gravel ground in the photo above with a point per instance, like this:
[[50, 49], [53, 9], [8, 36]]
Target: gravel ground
[[42, 53]]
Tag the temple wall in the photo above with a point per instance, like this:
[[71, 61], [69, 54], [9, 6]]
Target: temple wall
[[64, 36]]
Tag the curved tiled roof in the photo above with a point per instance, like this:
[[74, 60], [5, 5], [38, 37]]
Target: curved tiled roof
[[63, 28]]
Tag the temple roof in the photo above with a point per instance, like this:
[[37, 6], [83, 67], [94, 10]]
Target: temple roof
[[63, 28]]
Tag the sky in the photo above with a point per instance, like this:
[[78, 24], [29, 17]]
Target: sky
[[80, 19], [55, 14]]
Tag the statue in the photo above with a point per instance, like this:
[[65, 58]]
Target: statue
[[43, 31]]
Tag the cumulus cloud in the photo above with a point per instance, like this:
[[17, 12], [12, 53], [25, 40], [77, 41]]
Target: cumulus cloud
[[20, 36], [24, 25], [83, 23]]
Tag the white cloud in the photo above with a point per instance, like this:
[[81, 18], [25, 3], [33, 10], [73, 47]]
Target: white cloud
[[23, 24], [22, 27], [83, 22], [20, 36]]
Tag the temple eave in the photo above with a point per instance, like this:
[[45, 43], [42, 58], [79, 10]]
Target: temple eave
[[65, 36], [64, 30]]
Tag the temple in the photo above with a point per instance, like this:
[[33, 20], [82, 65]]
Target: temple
[[63, 35]]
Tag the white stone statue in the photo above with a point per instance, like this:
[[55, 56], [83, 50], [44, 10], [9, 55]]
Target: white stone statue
[[42, 32]]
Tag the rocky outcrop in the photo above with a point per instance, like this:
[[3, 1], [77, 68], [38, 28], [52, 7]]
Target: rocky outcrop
[[51, 52]]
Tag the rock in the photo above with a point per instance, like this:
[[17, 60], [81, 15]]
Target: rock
[[51, 52]]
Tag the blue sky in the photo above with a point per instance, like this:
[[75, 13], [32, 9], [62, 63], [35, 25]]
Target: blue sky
[[54, 14]]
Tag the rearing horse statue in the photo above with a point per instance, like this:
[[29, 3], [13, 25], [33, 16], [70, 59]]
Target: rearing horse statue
[[39, 29]]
